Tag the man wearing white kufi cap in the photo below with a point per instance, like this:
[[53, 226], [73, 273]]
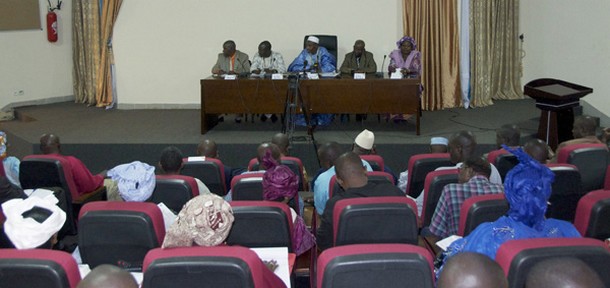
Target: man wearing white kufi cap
[[314, 58], [364, 144], [33, 222]]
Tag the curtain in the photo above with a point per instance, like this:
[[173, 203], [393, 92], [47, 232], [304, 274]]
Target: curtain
[[433, 25], [465, 52], [85, 50], [495, 57], [104, 89]]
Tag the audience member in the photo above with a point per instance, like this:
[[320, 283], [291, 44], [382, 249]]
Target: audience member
[[208, 148], [282, 185], [231, 61], [359, 60], [33, 222], [327, 153], [10, 164], [538, 150], [473, 181], [205, 220], [437, 145], [509, 135], [84, 180], [171, 163], [283, 143], [9, 191], [364, 144], [584, 132], [136, 182], [527, 189], [472, 270], [109, 276], [563, 272], [320, 190], [462, 146], [352, 177]]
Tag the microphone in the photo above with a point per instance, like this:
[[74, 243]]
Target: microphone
[[380, 74], [246, 73], [304, 65]]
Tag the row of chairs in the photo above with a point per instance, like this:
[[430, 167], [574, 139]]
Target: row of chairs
[[359, 265]]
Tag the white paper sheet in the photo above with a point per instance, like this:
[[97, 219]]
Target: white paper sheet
[[279, 254]]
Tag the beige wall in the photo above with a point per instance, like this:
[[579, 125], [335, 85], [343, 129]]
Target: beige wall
[[163, 50], [569, 40], [28, 62]]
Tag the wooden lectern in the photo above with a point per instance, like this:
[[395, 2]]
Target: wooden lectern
[[556, 100]]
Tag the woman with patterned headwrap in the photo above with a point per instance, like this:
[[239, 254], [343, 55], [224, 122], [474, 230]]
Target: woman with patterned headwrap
[[407, 60], [10, 164], [282, 185], [527, 188]]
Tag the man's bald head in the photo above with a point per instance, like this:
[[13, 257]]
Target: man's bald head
[[207, 148], [462, 146], [471, 270], [263, 148], [108, 276], [563, 272], [282, 142], [328, 154], [584, 126], [350, 171], [49, 144], [509, 135], [537, 149]]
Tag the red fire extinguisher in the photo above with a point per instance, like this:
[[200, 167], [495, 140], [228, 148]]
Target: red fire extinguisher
[[52, 26]]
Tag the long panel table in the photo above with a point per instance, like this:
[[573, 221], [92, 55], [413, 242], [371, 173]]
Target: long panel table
[[343, 95]]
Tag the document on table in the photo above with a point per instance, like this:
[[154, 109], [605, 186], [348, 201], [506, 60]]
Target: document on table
[[280, 255]]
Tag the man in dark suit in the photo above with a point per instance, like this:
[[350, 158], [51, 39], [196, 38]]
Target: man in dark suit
[[359, 60]]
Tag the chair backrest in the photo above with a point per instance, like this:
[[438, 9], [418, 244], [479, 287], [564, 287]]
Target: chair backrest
[[36, 171], [248, 186], [210, 171], [174, 191], [433, 188], [565, 192], [376, 161], [375, 220], [607, 179], [261, 224], [220, 266], [517, 257], [504, 163], [593, 215], [119, 233], [375, 265], [493, 155], [420, 165], [38, 268], [480, 209], [295, 164], [376, 177], [327, 41], [591, 160]]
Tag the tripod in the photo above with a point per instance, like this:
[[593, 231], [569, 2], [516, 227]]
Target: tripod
[[290, 108]]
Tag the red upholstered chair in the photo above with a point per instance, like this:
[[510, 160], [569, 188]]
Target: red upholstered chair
[[38, 268], [517, 257], [375, 265], [119, 233], [210, 171], [420, 165], [174, 191], [247, 186], [261, 224], [375, 161], [607, 179], [480, 209], [433, 188], [593, 215], [493, 155], [565, 192], [220, 266], [591, 160], [375, 220], [295, 164]]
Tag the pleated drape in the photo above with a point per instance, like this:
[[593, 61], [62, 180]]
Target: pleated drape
[[104, 91], [433, 24], [495, 56], [85, 50]]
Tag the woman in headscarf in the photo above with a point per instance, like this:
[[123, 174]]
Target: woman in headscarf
[[281, 184], [527, 188], [205, 220], [407, 60], [9, 165]]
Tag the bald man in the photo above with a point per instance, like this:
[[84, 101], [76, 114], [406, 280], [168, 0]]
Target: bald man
[[352, 177], [563, 272], [282, 142], [537, 149], [108, 276], [472, 270], [208, 148]]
